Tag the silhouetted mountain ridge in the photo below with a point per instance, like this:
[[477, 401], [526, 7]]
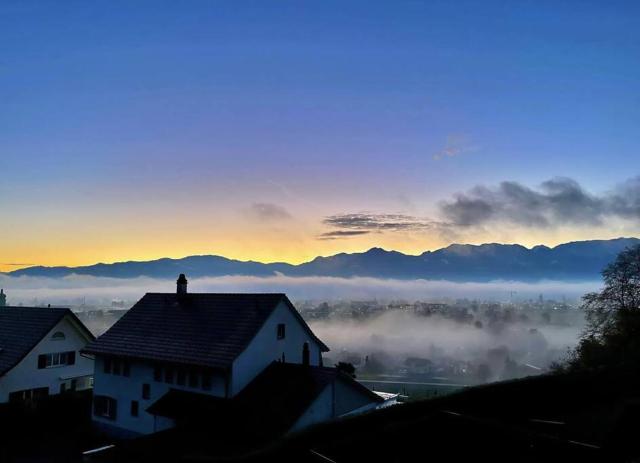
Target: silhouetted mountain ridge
[[574, 261]]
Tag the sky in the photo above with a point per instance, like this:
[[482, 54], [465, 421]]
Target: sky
[[279, 131]]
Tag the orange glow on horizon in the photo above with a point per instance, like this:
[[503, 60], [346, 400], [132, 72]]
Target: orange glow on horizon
[[294, 247]]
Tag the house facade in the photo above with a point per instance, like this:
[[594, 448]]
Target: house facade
[[40, 353], [194, 346]]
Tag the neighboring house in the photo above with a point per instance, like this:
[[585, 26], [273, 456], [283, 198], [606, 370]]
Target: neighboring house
[[39, 353], [171, 352]]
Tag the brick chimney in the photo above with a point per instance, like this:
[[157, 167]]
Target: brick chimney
[[182, 284]]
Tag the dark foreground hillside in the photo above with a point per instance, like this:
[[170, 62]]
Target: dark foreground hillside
[[586, 417], [57, 430], [565, 418]]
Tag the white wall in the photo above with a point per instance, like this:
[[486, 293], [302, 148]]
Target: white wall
[[349, 398], [320, 410], [26, 374], [125, 389], [266, 347], [337, 399]]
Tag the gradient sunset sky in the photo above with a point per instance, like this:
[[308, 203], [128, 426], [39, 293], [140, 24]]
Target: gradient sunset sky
[[279, 131]]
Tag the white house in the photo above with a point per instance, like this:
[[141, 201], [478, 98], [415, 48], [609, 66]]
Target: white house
[[39, 353], [173, 355]]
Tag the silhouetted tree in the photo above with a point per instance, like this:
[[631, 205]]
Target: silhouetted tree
[[484, 373], [346, 368], [612, 334]]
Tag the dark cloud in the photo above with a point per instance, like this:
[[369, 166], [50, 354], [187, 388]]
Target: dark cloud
[[378, 222], [361, 223], [15, 264], [625, 199], [332, 235], [269, 211], [559, 201]]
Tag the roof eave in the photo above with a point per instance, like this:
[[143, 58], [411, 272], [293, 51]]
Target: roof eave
[[223, 368]]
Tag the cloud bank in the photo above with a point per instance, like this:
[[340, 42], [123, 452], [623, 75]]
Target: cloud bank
[[557, 202]]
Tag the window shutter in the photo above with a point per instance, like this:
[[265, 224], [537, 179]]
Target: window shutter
[[99, 405], [113, 408], [71, 357], [42, 361]]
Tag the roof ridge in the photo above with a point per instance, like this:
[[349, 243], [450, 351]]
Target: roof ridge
[[221, 294], [31, 307]]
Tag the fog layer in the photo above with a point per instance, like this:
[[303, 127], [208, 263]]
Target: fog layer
[[77, 289]]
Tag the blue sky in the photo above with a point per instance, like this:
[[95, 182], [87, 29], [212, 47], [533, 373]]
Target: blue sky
[[112, 114]]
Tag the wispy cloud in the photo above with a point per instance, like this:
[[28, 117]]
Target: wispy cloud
[[269, 211], [455, 145]]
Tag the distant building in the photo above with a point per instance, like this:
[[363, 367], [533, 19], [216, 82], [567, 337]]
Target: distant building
[[175, 356], [39, 353]]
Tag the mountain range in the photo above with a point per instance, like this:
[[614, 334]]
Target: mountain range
[[574, 261]]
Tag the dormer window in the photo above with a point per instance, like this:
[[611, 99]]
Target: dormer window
[[58, 336], [281, 330]]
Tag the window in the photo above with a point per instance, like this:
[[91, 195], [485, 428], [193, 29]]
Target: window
[[105, 407], [28, 394], [305, 353], [134, 408], [281, 330], [113, 366], [193, 378], [168, 375], [58, 336], [57, 359], [181, 377], [146, 391], [17, 396], [206, 381], [157, 373]]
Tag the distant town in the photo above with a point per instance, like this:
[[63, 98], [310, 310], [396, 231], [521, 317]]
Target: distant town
[[516, 330]]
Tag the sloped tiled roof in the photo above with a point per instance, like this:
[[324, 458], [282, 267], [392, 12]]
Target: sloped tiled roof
[[205, 329], [21, 328]]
